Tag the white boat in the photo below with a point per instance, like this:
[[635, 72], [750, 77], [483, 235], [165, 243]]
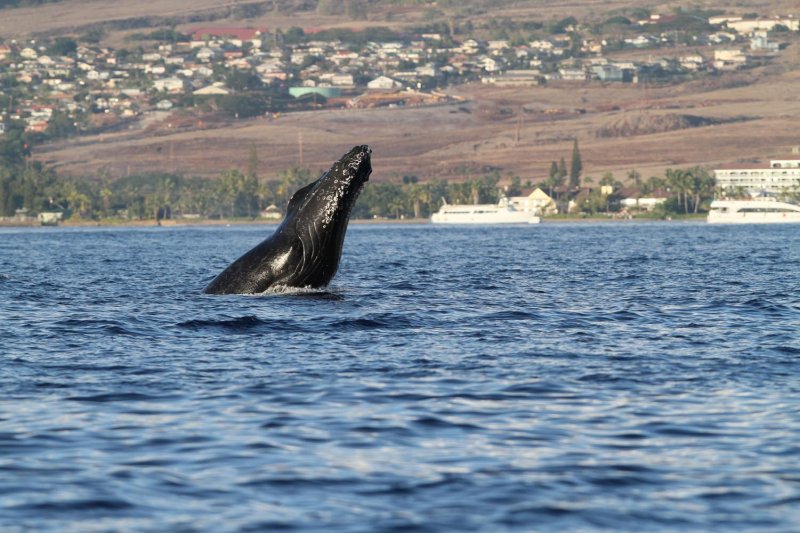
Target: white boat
[[756, 211], [501, 213]]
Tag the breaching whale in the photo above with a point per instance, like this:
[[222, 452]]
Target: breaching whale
[[305, 249]]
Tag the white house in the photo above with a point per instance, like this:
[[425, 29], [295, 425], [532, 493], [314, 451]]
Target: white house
[[760, 41], [642, 204], [342, 80], [170, 85], [572, 74], [384, 83], [747, 26], [217, 88], [206, 54], [729, 59], [428, 69], [538, 202]]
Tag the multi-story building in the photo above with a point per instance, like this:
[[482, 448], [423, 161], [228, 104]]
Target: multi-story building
[[778, 177]]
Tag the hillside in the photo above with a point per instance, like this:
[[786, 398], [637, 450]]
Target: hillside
[[517, 130], [461, 140]]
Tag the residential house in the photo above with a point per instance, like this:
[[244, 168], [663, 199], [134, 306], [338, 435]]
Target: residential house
[[234, 35], [721, 37], [497, 47], [641, 41], [572, 74], [692, 62], [642, 204], [761, 42], [751, 25], [514, 78], [729, 59], [217, 88], [169, 85], [428, 69], [206, 54], [620, 71], [542, 46], [384, 83], [492, 64], [342, 80], [537, 202]]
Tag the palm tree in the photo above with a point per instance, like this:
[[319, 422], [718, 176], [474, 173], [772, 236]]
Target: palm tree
[[418, 194]]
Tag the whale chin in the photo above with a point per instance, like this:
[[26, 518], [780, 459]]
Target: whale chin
[[304, 251]]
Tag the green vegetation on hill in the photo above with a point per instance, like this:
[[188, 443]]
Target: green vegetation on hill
[[164, 35]]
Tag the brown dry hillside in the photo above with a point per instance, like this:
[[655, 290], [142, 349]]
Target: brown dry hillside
[[519, 130], [737, 116]]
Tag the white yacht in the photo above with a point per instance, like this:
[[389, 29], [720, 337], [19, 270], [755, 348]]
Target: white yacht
[[501, 213], [755, 211]]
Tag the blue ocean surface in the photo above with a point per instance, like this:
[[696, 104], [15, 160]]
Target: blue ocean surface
[[560, 377]]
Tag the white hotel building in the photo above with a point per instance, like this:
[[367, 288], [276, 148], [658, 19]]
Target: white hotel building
[[780, 176]]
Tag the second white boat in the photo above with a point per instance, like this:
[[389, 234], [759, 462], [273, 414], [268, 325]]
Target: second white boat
[[756, 211], [501, 213]]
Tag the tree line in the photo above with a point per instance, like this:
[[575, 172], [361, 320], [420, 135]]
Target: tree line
[[34, 188]]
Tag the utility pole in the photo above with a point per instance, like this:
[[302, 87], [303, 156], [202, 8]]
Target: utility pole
[[300, 145]]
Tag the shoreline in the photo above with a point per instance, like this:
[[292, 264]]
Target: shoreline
[[110, 223]]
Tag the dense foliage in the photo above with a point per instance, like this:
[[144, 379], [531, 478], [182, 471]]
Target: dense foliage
[[32, 187]]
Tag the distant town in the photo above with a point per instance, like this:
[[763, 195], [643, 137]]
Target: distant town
[[66, 86]]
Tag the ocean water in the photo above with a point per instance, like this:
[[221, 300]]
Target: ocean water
[[611, 377]]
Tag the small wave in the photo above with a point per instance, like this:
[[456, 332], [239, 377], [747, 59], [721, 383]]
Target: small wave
[[95, 326], [242, 323], [507, 316], [765, 305], [382, 321], [94, 504], [435, 422], [116, 397], [790, 350], [541, 388], [303, 292], [674, 430]]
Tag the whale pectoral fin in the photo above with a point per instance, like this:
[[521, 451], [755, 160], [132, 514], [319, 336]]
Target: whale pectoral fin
[[298, 197]]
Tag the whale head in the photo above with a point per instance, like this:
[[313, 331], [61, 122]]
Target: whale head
[[318, 215], [327, 202], [306, 248]]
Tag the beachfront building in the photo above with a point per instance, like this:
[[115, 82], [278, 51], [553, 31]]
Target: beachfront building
[[778, 177], [537, 202]]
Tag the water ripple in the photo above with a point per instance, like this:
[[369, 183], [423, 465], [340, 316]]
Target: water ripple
[[558, 378]]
